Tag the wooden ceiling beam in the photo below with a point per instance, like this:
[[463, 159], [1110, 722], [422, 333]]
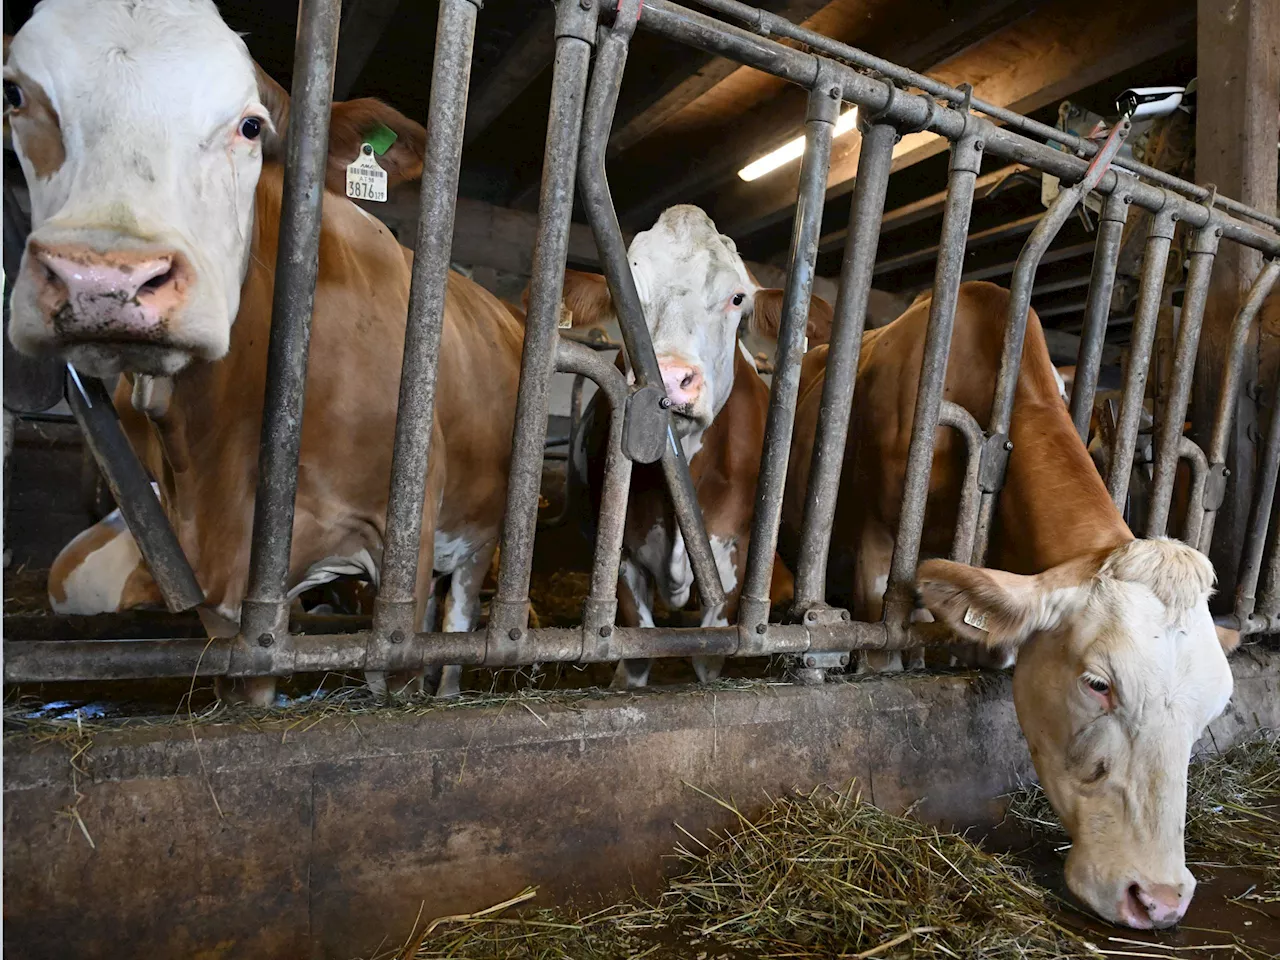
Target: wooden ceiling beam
[[1065, 47], [527, 57], [363, 24]]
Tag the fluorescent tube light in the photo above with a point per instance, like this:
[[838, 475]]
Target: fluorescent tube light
[[792, 149]]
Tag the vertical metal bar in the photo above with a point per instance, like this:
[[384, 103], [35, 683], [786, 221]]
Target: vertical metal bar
[[1154, 261], [606, 81], [820, 120], [575, 32], [1221, 438], [958, 418], [1097, 308], [875, 162], [265, 613], [415, 416], [1199, 463], [1259, 517], [1204, 245], [143, 514], [966, 160]]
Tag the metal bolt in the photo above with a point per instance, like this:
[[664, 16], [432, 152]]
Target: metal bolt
[[811, 616], [834, 93], [1008, 444], [665, 403], [844, 614], [606, 630], [514, 633], [844, 659], [266, 640], [1218, 232], [978, 144], [761, 627], [397, 636], [1128, 198], [810, 662], [1175, 217], [1226, 471]]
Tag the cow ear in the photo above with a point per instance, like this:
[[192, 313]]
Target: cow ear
[[354, 121], [276, 100], [994, 608], [586, 297], [766, 316]]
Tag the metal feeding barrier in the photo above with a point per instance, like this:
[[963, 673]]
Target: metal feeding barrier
[[592, 40]]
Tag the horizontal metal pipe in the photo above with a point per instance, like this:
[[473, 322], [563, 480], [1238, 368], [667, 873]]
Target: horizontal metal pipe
[[1097, 309], [130, 486], [1154, 262], [823, 112], [911, 111], [1173, 414], [832, 432], [415, 414], [40, 661], [764, 22]]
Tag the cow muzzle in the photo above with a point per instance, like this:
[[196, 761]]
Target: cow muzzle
[[110, 311]]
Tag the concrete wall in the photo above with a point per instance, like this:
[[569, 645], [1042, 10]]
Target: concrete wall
[[326, 839]]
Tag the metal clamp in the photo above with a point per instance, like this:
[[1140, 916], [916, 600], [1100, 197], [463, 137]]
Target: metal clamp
[[1215, 487], [644, 425], [994, 462]]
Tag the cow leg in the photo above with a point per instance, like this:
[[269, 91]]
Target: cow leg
[[255, 691], [462, 608], [635, 609], [431, 623], [871, 579]]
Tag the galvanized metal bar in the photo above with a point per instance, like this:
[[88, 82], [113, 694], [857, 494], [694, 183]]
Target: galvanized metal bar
[[131, 487], [575, 33], [1024, 276], [1269, 602], [1188, 450], [265, 610], [875, 163], [911, 111], [1220, 440], [958, 418], [1141, 339], [602, 101], [771, 24], [395, 607], [601, 606], [1173, 414], [966, 160], [1259, 517], [1097, 308], [822, 114]]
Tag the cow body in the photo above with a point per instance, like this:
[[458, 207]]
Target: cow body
[[1119, 667], [131, 269]]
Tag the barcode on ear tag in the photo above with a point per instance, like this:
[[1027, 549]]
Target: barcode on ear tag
[[365, 179], [975, 619], [566, 318]]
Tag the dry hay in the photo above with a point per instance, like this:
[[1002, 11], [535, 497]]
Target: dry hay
[[1233, 811], [818, 876]]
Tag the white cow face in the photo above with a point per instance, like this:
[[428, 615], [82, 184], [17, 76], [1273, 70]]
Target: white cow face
[[1119, 671], [139, 128]]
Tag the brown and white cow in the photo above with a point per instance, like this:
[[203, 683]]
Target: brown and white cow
[[1119, 668], [696, 292], [150, 143]]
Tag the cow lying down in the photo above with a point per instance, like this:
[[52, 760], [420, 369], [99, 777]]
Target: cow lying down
[[1119, 666]]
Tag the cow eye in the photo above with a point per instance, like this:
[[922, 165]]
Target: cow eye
[[738, 298], [13, 95], [1096, 684], [250, 127]]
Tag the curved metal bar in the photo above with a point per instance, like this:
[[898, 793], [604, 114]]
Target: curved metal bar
[[1222, 423], [958, 418], [602, 100], [1204, 247], [1190, 451]]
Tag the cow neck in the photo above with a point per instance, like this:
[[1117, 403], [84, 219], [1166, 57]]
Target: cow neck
[[1054, 506]]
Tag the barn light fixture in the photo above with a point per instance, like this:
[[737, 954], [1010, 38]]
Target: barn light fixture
[[792, 149]]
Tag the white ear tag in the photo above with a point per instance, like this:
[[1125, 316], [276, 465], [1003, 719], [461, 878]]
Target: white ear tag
[[974, 619], [566, 318], [365, 179]]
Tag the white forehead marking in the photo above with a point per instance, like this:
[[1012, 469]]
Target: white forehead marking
[[684, 248]]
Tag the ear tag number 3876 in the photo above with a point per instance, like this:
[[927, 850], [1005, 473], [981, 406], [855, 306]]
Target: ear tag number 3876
[[365, 179]]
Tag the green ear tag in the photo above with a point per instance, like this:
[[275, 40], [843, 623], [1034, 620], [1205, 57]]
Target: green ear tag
[[380, 138]]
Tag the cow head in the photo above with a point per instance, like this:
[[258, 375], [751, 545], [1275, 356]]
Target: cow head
[[695, 292], [1119, 671], [142, 129]]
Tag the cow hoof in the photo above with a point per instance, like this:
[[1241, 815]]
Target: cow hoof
[[708, 668], [254, 691], [450, 684], [811, 676], [630, 675]]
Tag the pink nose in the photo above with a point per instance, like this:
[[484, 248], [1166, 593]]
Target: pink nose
[[1154, 905], [122, 292], [682, 380]]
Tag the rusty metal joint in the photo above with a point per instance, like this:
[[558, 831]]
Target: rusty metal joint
[[994, 461], [579, 22]]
